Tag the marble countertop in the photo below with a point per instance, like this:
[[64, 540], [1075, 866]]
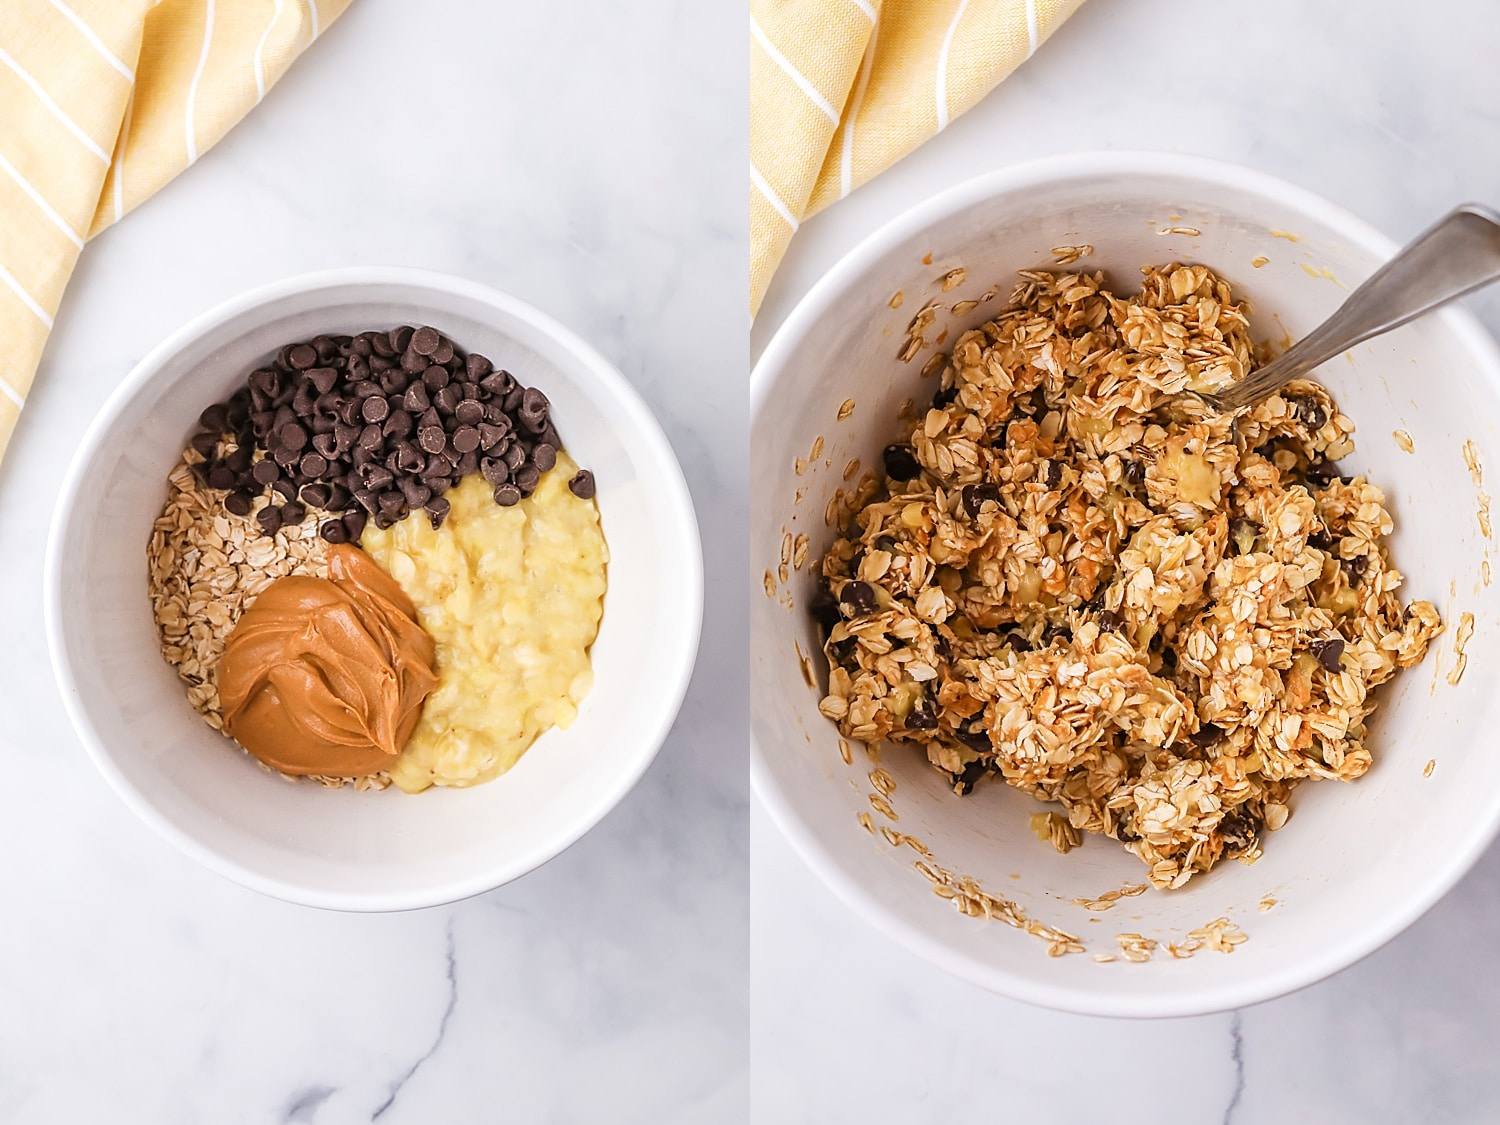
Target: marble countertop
[[610, 985], [1396, 116]]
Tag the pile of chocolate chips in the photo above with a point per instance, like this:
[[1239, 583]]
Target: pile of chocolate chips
[[375, 426]]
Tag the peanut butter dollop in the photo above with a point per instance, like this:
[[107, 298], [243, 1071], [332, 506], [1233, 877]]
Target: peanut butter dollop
[[327, 676]]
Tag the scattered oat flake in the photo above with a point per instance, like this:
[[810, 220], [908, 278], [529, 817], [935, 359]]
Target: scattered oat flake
[[883, 782], [927, 258], [1265, 904], [1484, 571], [934, 364], [883, 807], [799, 551], [770, 584], [1288, 235], [869, 825], [1192, 232], [1403, 439], [1258, 261], [817, 449], [1104, 958], [954, 278], [896, 299], [913, 346], [846, 408], [846, 753], [1221, 935], [1471, 459], [1483, 513], [786, 545], [1067, 255], [1429, 767], [1460, 639], [799, 466], [964, 306], [851, 470]]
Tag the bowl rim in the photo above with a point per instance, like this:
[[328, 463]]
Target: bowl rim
[[769, 367], [634, 416]]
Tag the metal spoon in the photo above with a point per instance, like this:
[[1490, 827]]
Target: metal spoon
[[1458, 254]]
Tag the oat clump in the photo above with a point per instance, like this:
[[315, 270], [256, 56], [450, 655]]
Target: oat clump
[[1080, 581]]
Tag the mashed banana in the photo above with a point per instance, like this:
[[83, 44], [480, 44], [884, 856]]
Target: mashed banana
[[512, 597]]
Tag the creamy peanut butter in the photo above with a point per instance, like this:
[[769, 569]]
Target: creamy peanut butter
[[327, 676]]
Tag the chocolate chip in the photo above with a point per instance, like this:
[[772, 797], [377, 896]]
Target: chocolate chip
[[443, 353], [316, 495], [469, 412], [1311, 412], [425, 340], [1355, 568], [437, 510], [435, 378], [238, 502], [974, 496], [899, 463], [313, 464], [432, 438], [943, 397], [495, 471], [527, 478], [416, 399], [515, 457], [205, 443], [215, 419], [477, 367], [532, 412], [221, 476], [371, 438], [447, 399], [270, 518], [1049, 473], [582, 485], [544, 457], [286, 489], [490, 435], [399, 425], [293, 512], [301, 357], [333, 531], [292, 436], [1109, 621], [507, 494], [466, 439], [1329, 653], [858, 599], [499, 383], [239, 460], [1135, 472], [354, 524], [920, 718], [374, 409], [1206, 735], [265, 471]]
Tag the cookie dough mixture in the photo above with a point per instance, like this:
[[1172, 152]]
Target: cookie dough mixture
[[512, 596], [1078, 580]]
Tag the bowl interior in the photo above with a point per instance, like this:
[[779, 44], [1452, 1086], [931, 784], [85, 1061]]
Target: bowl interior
[[1356, 862], [377, 850]]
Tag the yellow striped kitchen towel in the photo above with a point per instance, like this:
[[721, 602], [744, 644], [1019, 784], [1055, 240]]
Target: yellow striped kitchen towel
[[101, 103], [842, 89]]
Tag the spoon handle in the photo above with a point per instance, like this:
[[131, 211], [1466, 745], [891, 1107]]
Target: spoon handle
[[1457, 255]]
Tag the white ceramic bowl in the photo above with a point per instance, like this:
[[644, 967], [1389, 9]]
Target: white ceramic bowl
[[342, 849], [1356, 863]]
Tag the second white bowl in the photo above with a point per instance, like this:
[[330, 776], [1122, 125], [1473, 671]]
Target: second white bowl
[[1357, 862]]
